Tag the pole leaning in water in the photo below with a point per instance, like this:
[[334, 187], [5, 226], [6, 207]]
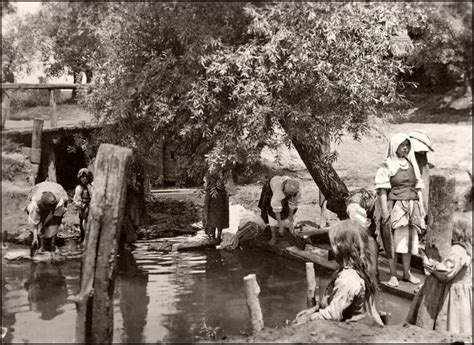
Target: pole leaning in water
[[253, 290], [94, 303]]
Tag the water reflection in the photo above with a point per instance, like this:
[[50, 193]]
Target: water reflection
[[133, 297], [185, 297], [47, 290]]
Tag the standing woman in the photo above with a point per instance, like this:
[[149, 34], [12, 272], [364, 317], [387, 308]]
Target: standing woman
[[399, 185], [218, 187]]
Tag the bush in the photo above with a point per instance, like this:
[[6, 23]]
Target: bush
[[21, 99], [14, 165]]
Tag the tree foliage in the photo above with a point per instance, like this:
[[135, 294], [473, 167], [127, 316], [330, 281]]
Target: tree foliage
[[68, 36], [443, 54]]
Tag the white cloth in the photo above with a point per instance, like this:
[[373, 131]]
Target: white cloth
[[34, 197], [392, 164]]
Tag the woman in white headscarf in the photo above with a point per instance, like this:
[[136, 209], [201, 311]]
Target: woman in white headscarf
[[399, 185]]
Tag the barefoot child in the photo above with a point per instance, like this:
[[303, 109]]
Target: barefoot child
[[82, 198], [351, 293]]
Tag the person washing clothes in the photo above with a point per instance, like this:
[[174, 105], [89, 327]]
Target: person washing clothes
[[350, 295], [399, 184], [82, 198], [47, 204], [278, 204]]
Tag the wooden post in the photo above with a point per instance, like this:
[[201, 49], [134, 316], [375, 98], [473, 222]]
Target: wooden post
[[94, 303], [440, 217], [52, 105], [311, 285], [5, 107], [253, 290], [37, 132], [425, 306]]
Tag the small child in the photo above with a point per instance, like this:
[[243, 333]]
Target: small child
[[351, 293], [82, 198], [454, 314]]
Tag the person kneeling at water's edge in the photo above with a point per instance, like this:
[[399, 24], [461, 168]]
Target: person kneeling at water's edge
[[350, 295], [278, 204], [47, 203]]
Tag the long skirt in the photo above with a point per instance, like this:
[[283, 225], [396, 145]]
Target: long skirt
[[216, 211]]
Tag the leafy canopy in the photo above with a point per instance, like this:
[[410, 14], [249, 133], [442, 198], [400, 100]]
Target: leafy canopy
[[220, 80]]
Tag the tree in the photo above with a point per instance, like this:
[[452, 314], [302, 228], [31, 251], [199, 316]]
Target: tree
[[225, 80], [69, 38], [315, 70], [7, 7], [443, 41]]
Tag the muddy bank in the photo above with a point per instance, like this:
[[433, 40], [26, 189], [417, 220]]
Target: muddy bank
[[341, 332]]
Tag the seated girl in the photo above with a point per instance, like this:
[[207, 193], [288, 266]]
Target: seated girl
[[351, 293]]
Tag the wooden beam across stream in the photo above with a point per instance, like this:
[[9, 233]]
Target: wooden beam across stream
[[94, 303]]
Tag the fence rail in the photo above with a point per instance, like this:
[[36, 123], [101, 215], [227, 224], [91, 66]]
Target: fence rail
[[24, 86]]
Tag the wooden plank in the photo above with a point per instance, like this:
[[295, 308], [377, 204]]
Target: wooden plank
[[52, 106], [27, 86], [319, 256], [94, 322]]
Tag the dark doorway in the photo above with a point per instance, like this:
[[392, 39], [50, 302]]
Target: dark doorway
[[69, 159]]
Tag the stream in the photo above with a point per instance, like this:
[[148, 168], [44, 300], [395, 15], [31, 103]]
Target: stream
[[174, 297]]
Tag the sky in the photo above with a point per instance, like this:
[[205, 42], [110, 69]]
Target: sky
[[27, 7]]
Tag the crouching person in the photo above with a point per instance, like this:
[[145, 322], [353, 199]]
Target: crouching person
[[47, 203], [350, 295]]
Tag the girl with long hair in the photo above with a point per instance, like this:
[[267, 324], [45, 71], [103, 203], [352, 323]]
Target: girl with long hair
[[454, 311], [351, 293]]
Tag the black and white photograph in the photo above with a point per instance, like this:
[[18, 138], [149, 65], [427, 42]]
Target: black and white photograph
[[236, 172]]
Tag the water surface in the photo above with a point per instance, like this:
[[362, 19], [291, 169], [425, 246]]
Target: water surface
[[174, 297]]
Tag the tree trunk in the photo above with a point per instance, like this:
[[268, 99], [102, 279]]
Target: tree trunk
[[323, 173], [77, 80], [88, 76]]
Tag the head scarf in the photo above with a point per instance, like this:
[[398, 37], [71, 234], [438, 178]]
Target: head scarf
[[420, 141], [87, 173], [392, 161]]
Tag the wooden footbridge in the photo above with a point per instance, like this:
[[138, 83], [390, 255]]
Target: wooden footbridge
[[46, 143]]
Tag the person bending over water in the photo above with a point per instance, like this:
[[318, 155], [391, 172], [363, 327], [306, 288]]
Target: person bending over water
[[279, 200], [47, 204], [350, 294]]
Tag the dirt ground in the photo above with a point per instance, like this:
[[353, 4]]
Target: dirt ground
[[357, 164], [322, 331]]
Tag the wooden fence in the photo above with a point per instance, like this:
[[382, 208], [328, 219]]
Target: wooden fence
[[6, 87]]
